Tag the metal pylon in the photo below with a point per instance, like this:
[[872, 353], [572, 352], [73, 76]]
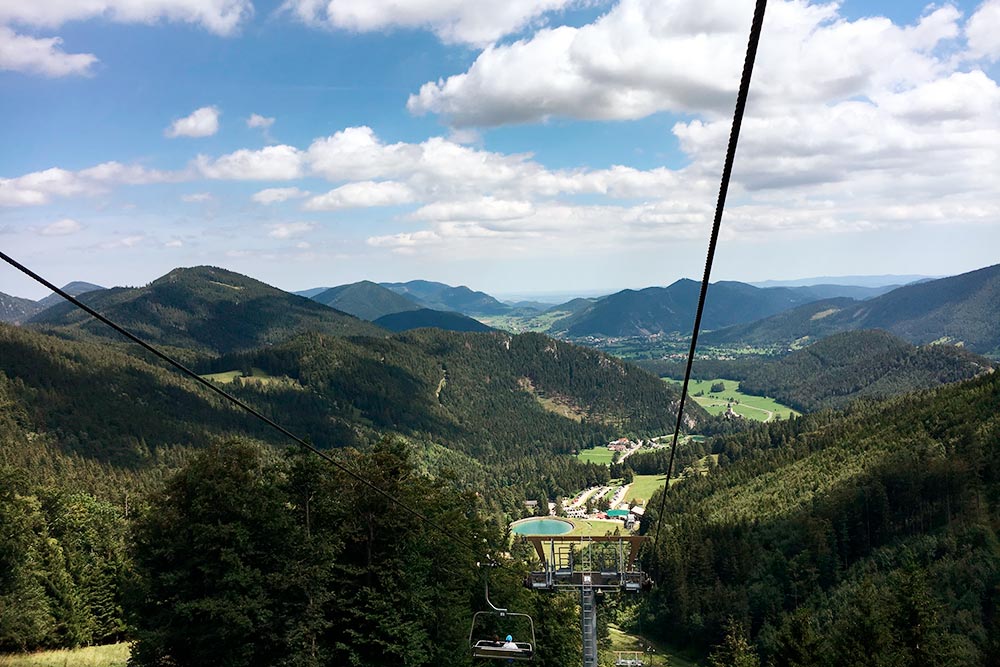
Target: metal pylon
[[588, 623]]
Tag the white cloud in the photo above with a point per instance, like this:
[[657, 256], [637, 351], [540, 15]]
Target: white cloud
[[647, 56], [197, 197], [290, 230], [983, 31], [41, 55], [203, 122], [277, 195], [365, 193], [485, 208], [176, 243], [273, 163], [62, 227], [222, 17], [124, 242], [453, 21], [40, 186], [256, 120]]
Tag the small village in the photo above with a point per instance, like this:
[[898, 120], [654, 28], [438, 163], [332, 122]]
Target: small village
[[608, 502]]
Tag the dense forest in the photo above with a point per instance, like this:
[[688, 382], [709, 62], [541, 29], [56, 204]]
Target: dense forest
[[838, 370], [202, 309], [137, 504], [866, 538]]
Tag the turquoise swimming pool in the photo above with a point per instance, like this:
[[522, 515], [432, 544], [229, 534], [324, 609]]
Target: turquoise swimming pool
[[541, 527]]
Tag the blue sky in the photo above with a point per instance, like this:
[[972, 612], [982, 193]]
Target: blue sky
[[529, 146]]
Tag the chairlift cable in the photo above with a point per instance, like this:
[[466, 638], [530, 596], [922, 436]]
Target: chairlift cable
[[727, 170], [229, 397]]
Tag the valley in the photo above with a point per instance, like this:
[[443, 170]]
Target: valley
[[528, 424]]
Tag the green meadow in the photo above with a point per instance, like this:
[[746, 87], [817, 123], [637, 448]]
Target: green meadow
[[759, 408]]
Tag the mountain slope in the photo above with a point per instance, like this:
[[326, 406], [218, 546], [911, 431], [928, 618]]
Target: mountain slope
[[839, 369], [15, 310], [425, 317], [492, 396], [664, 309], [75, 288], [203, 309], [865, 538], [365, 299], [439, 296], [963, 309]]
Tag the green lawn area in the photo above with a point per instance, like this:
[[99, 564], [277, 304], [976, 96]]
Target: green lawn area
[[595, 527], [759, 408], [228, 377], [113, 655], [643, 487], [596, 455], [664, 656]]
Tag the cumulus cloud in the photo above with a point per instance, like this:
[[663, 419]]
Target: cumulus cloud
[[39, 187], [484, 208], [365, 193], [197, 197], [273, 163], [256, 120], [648, 56], [203, 122], [278, 195], [41, 55], [983, 31], [222, 17], [290, 230], [453, 21], [62, 227]]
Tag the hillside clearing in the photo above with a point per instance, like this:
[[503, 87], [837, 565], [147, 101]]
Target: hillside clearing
[[759, 408]]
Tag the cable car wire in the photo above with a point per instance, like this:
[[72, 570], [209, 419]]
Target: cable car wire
[[229, 397], [727, 171]]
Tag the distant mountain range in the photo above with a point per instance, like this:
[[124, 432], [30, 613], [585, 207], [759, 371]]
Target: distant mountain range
[[203, 308], [963, 309], [366, 300], [439, 296], [888, 280], [657, 310], [15, 310]]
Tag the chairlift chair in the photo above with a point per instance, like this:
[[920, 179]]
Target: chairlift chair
[[500, 650]]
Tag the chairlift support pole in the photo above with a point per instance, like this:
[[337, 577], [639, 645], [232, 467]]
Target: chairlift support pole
[[590, 565]]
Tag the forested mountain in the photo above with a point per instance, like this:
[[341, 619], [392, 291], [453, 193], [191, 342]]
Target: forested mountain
[[510, 401], [75, 288], [839, 369], [664, 309], [365, 299], [425, 317], [439, 296], [963, 309], [863, 539], [15, 310], [203, 309]]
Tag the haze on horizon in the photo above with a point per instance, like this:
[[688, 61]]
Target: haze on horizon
[[559, 146]]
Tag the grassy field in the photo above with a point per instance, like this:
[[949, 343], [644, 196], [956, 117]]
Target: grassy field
[[228, 377], [643, 487], [114, 655], [596, 455], [759, 408], [663, 656], [595, 527]]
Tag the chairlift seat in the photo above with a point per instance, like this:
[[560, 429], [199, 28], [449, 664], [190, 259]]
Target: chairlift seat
[[485, 648]]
